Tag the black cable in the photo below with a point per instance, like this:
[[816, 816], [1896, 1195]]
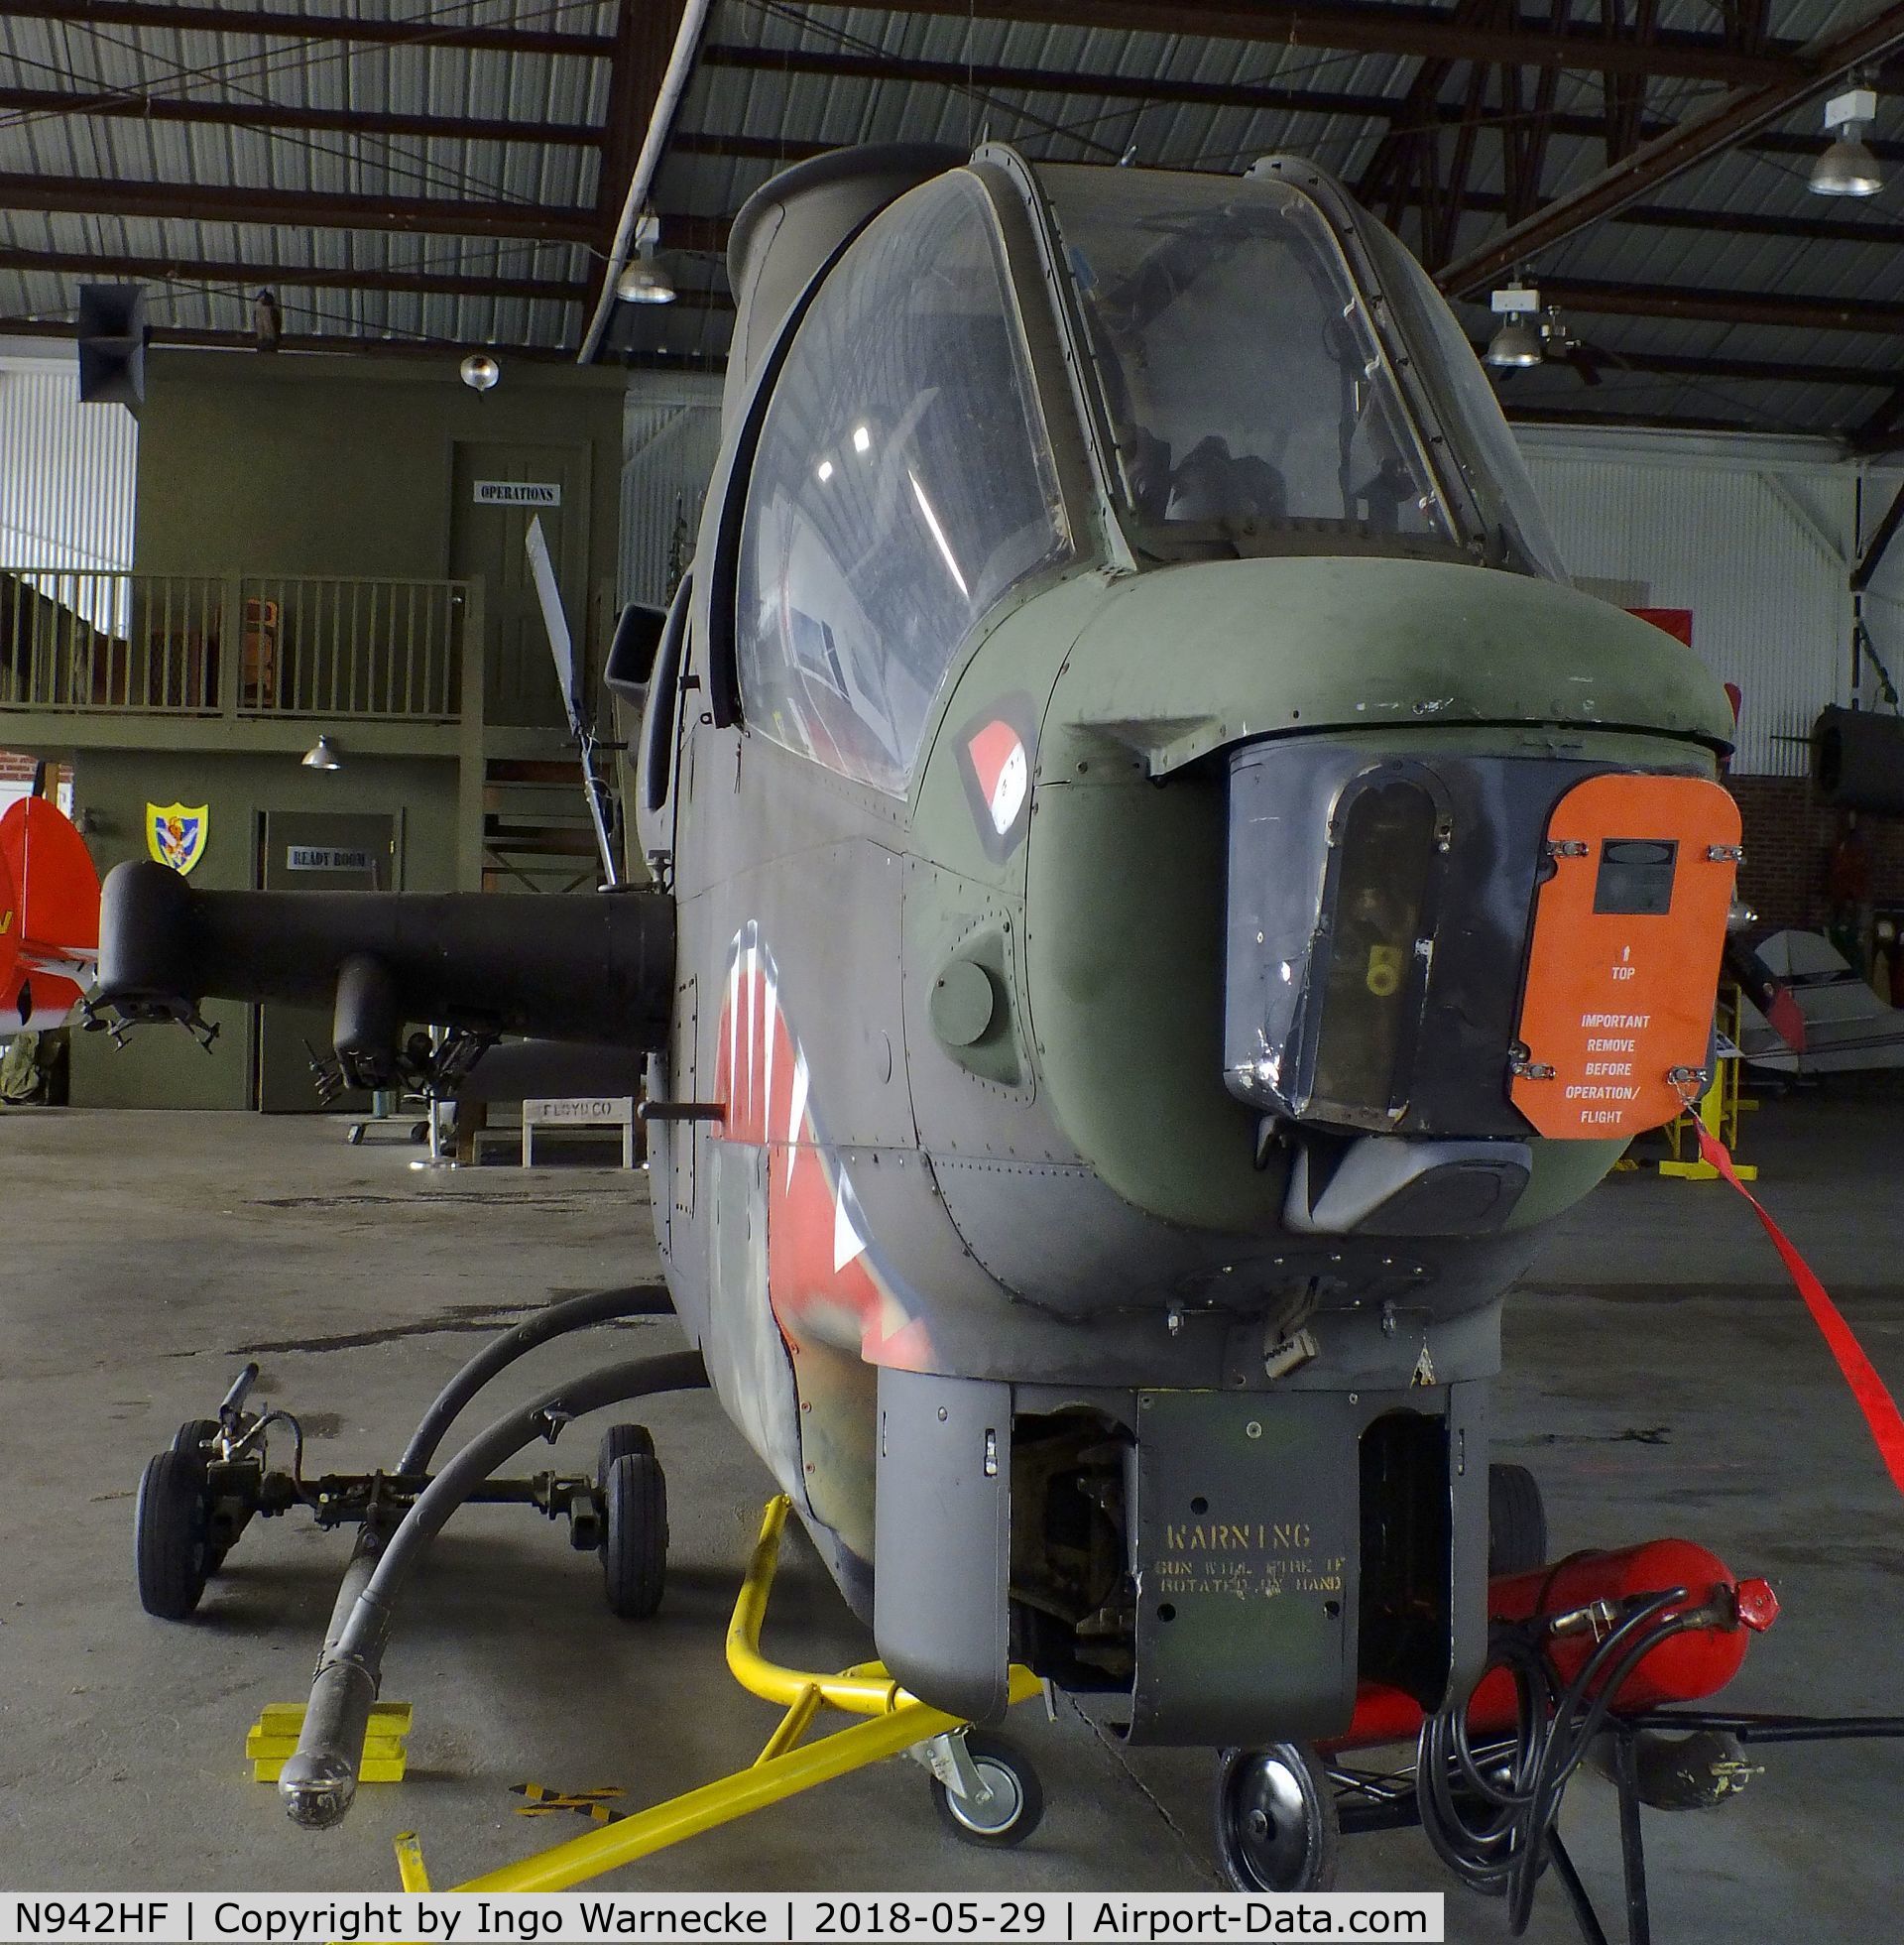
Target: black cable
[[1494, 1830]]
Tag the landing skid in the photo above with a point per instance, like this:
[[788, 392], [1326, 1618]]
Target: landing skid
[[987, 1793]]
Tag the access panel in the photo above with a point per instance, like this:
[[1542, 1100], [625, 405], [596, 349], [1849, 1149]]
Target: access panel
[[1617, 1017]]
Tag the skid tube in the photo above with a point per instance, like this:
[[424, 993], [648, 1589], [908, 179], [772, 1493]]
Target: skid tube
[[893, 1722]]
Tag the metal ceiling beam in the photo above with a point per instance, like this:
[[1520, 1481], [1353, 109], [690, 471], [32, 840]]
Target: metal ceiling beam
[[643, 39], [778, 150], [282, 24], [1705, 132], [341, 343], [657, 60], [1258, 96], [1388, 27], [1807, 314], [296, 208], [1827, 229], [134, 106], [1872, 558], [1750, 371], [1727, 222], [250, 277], [1883, 429], [1649, 421], [445, 350]]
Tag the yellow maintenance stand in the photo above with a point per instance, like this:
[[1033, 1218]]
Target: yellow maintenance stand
[[895, 1721], [1721, 1109]]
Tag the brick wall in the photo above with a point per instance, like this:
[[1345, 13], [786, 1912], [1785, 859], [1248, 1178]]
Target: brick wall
[[1789, 836]]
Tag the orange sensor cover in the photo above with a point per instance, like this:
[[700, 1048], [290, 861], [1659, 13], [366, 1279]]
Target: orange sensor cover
[[1623, 969]]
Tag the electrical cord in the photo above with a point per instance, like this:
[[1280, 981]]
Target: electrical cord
[[1489, 1815]]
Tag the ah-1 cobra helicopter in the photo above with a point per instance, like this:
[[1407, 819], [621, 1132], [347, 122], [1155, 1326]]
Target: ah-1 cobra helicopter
[[1160, 889]]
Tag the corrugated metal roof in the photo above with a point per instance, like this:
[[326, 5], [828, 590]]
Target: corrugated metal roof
[[1093, 93]]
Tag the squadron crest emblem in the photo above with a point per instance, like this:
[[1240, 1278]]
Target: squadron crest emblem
[[175, 833]]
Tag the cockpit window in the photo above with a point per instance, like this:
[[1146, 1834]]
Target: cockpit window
[[902, 484], [1465, 404], [1243, 387]]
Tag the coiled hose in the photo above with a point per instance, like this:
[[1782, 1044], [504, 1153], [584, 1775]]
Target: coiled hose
[[1489, 1814]]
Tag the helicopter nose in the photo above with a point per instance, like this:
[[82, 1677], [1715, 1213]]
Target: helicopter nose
[[1466, 947]]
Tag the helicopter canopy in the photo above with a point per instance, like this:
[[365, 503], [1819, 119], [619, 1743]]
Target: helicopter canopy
[[1260, 387], [902, 482], [1258, 384]]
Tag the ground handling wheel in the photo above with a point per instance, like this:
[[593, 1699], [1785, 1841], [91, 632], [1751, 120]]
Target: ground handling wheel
[[618, 1439], [194, 1435], [633, 1545], [1517, 1522], [1275, 1820], [1015, 1808], [171, 1530]]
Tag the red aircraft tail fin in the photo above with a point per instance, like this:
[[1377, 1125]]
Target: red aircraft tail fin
[[50, 891]]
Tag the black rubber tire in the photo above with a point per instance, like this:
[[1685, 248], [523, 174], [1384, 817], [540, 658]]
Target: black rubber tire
[[419, 1133], [1517, 1522], [191, 1440], [635, 1535], [617, 1440], [1018, 1804], [169, 1529], [1295, 1845]]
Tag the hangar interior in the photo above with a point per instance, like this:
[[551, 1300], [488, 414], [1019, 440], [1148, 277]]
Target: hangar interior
[[351, 356]]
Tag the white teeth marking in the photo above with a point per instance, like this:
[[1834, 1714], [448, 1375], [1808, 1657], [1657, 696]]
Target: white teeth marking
[[796, 1113], [733, 1022], [848, 1243], [753, 1027], [771, 1027]]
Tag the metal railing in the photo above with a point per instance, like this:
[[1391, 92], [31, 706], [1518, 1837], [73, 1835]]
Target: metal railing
[[323, 646], [270, 646], [91, 638]]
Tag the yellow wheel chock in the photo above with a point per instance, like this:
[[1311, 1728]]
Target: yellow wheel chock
[[894, 1722]]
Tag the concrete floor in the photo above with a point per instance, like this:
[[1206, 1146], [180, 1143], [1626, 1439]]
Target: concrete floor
[[1662, 1377]]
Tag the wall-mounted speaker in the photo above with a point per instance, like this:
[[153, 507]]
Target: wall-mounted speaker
[[1857, 760], [112, 344]]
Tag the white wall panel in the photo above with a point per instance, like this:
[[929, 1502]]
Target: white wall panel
[[66, 472], [671, 437], [1752, 539]]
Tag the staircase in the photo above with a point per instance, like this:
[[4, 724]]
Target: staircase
[[537, 833]]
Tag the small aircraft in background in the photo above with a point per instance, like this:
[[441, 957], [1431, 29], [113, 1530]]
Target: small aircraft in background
[[1811, 1013], [49, 916]]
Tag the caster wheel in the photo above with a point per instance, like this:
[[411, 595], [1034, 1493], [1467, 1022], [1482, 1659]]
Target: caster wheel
[[617, 1440], [635, 1534], [1016, 1805], [1517, 1522], [1276, 1823], [194, 1435], [419, 1133], [169, 1530], [354, 1134]]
